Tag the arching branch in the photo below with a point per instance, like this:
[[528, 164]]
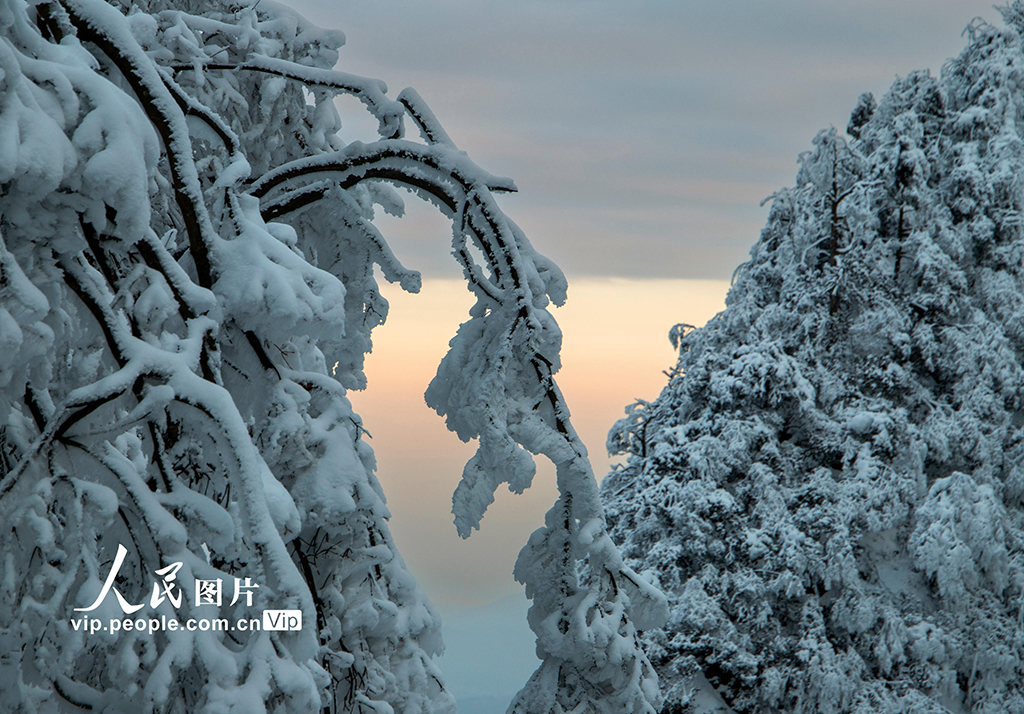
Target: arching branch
[[385, 160], [428, 124], [370, 92], [193, 107]]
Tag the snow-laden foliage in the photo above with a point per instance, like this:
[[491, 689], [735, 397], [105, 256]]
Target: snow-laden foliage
[[831, 486], [496, 385], [175, 368], [187, 291]]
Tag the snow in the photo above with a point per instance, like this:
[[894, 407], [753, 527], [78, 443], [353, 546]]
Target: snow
[[827, 487], [170, 398], [138, 411]]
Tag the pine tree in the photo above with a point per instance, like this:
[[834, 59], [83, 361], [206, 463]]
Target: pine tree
[[830, 486]]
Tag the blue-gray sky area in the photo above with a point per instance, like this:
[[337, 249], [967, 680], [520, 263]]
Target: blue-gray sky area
[[643, 135]]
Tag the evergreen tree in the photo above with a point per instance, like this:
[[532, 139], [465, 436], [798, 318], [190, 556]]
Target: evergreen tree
[[831, 486]]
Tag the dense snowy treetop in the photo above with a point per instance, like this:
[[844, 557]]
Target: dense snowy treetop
[[830, 487]]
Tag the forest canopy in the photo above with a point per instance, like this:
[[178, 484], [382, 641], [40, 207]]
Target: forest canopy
[[829, 489]]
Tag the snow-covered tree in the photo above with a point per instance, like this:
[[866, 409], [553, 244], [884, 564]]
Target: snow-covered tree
[[187, 291], [831, 486], [175, 370]]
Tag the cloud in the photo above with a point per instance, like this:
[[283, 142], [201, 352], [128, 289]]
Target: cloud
[[595, 103]]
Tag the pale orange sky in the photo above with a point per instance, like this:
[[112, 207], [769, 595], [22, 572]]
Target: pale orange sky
[[615, 348]]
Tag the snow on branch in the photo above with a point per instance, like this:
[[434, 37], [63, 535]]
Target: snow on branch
[[370, 92], [181, 338]]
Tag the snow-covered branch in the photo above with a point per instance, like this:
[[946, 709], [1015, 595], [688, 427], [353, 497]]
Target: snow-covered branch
[[180, 341]]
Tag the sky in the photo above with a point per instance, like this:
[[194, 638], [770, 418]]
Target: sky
[[643, 137]]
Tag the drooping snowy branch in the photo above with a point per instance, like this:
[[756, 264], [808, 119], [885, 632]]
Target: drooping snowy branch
[[180, 365]]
